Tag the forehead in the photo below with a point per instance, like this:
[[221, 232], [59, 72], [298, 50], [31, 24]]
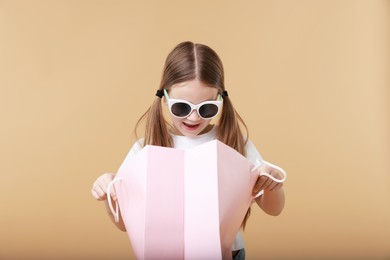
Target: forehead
[[193, 91]]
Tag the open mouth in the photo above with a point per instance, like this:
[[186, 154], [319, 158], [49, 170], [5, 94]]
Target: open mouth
[[191, 127]]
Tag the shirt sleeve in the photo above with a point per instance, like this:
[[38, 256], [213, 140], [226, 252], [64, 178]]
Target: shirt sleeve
[[253, 155], [137, 146], [251, 152]]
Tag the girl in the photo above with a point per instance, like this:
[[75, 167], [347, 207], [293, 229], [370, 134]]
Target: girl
[[192, 86]]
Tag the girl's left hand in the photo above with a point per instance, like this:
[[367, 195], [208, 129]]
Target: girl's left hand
[[265, 183]]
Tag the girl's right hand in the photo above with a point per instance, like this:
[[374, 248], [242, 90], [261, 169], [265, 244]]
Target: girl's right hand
[[99, 187]]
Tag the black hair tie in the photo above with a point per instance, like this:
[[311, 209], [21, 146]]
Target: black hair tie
[[160, 93], [224, 94]]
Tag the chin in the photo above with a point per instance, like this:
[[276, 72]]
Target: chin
[[189, 134]]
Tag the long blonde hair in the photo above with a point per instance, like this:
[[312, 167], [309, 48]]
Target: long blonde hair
[[189, 61]]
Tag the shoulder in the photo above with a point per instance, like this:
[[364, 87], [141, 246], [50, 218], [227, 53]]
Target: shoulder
[[137, 146]]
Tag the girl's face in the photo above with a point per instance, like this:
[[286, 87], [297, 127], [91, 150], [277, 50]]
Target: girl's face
[[195, 92]]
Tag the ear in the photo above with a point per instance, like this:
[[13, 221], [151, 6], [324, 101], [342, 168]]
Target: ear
[[164, 100]]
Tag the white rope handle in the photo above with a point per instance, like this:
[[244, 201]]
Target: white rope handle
[[115, 212], [259, 163]]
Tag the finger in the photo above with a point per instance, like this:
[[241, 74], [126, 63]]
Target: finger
[[101, 191], [94, 194], [112, 189], [101, 187], [272, 185], [107, 180], [257, 185], [260, 183], [276, 174], [98, 194], [267, 182], [277, 187]]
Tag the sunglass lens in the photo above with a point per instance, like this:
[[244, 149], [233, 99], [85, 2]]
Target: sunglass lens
[[180, 109], [208, 110]]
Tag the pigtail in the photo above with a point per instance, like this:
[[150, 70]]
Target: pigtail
[[229, 132], [156, 132]]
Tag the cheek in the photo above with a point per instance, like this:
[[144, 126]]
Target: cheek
[[203, 125], [175, 121], [206, 122]]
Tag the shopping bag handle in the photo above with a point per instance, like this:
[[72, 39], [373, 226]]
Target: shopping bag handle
[[259, 163], [115, 212]]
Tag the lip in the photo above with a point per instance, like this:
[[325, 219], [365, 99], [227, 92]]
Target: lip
[[191, 127]]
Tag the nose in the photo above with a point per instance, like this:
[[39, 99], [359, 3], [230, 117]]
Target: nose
[[193, 116]]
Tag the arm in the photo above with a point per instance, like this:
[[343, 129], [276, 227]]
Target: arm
[[99, 192]]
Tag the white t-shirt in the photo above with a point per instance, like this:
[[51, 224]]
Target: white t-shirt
[[185, 142]]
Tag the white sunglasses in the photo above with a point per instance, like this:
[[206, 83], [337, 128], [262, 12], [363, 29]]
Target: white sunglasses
[[182, 108]]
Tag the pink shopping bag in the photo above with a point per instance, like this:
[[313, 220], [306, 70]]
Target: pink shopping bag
[[184, 204]]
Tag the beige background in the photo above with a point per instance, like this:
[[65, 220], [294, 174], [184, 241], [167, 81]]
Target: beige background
[[310, 78]]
